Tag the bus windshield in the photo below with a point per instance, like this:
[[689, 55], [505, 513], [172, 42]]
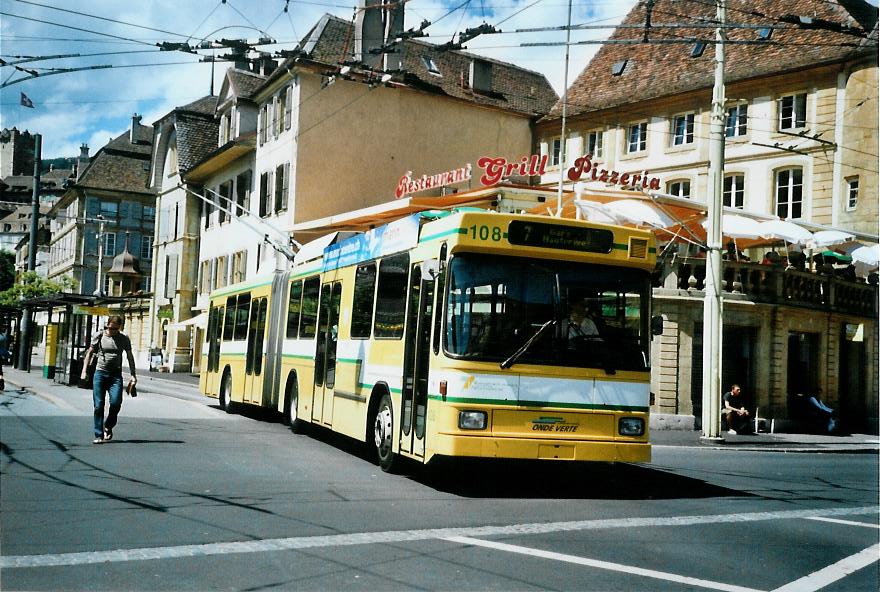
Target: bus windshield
[[535, 311]]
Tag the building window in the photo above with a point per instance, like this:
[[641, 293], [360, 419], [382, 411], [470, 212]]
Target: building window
[[555, 151], [145, 283], [281, 112], [109, 244], [264, 123], [637, 137], [679, 188], [265, 187], [243, 193], [736, 124], [852, 193], [431, 65], [109, 209], [106, 285], [146, 248], [792, 111], [594, 144], [682, 129], [149, 213], [734, 191], [225, 197], [281, 183], [789, 193]]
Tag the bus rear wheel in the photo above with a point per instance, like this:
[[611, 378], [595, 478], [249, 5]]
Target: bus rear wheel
[[383, 430], [226, 393]]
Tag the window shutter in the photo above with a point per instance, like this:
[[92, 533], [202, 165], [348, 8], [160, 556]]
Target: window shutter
[[171, 277], [285, 188], [289, 107]]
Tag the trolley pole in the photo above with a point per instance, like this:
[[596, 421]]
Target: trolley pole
[[24, 346], [713, 301]]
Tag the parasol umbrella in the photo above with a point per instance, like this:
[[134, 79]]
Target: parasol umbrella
[[641, 213], [595, 211], [868, 256], [828, 238], [733, 226], [785, 231]]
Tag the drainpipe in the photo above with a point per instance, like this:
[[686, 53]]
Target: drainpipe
[[836, 171]]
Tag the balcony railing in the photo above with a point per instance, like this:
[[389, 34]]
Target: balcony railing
[[776, 285]]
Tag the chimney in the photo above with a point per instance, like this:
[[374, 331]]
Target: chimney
[[369, 32], [82, 161], [135, 124], [393, 29]]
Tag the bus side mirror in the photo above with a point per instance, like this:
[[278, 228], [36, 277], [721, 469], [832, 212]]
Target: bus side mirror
[[430, 269], [656, 325]]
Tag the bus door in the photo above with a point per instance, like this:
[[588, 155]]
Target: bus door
[[253, 364], [325, 353], [214, 333], [416, 358]]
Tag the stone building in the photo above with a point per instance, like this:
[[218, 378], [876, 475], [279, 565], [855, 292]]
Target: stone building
[[181, 138], [801, 144], [16, 152]]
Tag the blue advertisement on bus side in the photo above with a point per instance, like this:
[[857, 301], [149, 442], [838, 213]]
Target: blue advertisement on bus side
[[397, 236]]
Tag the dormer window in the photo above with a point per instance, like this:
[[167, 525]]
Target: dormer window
[[698, 49], [765, 33], [481, 76], [618, 67], [431, 65]]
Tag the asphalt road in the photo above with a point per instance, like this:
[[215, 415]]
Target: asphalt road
[[188, 498]]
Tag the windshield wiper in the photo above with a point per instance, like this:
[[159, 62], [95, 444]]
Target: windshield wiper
[[525, 346]]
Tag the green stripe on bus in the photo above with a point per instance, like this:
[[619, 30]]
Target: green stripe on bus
[[298, 356], [620, 247], [233, 355], [305, 273], [431, 237], [237, 289], [349, 360], [540, 404], [362, 385]]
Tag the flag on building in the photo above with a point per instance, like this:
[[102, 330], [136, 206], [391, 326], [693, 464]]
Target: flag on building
[[26, 102]]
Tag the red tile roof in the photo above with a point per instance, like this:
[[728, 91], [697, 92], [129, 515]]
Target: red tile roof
[[662, 69]]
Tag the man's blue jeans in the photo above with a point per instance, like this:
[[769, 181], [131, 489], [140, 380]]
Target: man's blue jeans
[[106, 382]]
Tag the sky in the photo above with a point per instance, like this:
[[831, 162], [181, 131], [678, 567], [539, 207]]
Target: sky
[[92, 106]]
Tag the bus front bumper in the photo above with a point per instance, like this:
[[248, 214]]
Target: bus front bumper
[[522, 448]]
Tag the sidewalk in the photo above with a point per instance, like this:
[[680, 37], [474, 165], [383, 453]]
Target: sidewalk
[[185, 384]]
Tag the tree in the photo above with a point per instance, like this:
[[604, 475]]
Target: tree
[[7, 270], [31, 285]]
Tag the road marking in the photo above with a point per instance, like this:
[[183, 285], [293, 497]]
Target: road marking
[[847, 522], [397, 536], [629, 569], [832, 573]]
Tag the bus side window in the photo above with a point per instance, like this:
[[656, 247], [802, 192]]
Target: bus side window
[[391, 296], [229, 320], [293, 309], [242, 308], [362, 306], [441, 292], [309, 314]]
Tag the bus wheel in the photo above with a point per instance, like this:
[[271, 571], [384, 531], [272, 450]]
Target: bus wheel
[[226, 393], [383, 429], [291, 415]]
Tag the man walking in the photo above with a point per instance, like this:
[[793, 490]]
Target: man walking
[[109, 346]]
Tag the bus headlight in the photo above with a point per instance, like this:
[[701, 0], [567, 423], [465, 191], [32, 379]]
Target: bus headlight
[[472, 420], [631, 426]]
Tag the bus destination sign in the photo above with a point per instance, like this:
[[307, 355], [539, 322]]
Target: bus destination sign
[[558, 236]]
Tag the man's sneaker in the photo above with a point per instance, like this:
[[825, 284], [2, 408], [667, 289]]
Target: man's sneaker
[[98, 441], [732, 432], [108, 434]]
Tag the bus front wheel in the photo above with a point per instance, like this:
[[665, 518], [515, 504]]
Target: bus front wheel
[[226, 393], [383, 430]]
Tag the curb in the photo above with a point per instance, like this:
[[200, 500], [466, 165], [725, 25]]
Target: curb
[[801, 449]]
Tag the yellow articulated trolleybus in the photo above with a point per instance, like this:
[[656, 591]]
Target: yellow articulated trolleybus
[[460, 334]]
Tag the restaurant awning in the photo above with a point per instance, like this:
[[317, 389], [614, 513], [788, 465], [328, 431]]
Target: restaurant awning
[[200, 321]]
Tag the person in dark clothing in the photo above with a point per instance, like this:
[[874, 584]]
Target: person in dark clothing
[[109, 346], [735, 411]]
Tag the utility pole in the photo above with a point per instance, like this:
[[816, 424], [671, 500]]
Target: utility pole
[[713, 301], [24, 345], [564, 113]]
